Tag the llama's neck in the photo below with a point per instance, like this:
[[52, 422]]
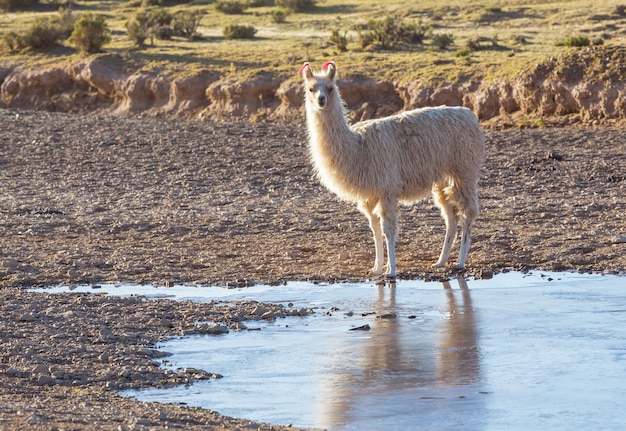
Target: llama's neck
[[332, 139], [334, 149]]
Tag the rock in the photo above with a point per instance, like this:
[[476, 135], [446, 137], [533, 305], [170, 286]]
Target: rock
[[27, 317], [40, 369], [365, 327], [486, 274], [12, 372], [268, 315], [618, 239]]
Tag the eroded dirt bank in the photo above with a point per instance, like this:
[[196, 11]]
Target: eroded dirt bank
[[94, 198], [585, 85]]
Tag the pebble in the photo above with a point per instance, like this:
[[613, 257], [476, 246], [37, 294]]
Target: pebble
[[27, 317], [619, 239]]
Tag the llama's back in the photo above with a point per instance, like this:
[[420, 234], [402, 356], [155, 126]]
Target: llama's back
[[417, 148]]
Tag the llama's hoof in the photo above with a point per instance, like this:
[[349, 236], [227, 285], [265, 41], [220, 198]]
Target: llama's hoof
[[459, 266], [376, 272], [439, 265]]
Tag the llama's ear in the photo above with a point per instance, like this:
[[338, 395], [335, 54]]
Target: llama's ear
[[331, 69], [306, 70]]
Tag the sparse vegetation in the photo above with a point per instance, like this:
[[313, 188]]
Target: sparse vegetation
[[230, 7], [90, 33], [575, 41], [442, 40], [185, 23], [236, 31], [43, 33], [297, 5], [340, 40], [390, 32], [279, 15], [307, 34]]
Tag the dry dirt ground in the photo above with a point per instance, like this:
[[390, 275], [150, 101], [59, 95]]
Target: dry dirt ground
[[87, 199]]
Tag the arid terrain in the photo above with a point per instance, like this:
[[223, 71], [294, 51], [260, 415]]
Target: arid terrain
[[94, 198]]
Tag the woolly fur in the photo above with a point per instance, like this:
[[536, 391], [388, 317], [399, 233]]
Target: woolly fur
[[401, 158]]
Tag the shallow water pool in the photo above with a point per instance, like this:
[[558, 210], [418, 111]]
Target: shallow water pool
[[517, 352]]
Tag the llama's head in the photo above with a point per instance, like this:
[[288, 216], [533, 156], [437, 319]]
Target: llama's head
[[319, 88]]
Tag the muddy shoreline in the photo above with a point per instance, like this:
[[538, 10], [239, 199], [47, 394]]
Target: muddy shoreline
[[87, 199]]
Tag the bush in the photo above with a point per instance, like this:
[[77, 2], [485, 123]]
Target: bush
[[390, 32], [296, 5], [230, 7], [442, 40], [341, 42], [90, 33], [235, 31], [43, 33], [575, 41], [65, 21], [13, 41], [160, 17], [138, 28], [186, 23], [279, 15]]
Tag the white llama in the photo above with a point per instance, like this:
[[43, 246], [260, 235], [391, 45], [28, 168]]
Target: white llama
[[401, 158]]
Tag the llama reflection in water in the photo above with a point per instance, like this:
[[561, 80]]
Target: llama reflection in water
[[413, 365]]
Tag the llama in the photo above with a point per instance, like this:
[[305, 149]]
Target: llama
[[398, 159]]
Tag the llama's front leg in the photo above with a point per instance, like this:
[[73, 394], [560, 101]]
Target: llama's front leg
[[374, 221], [389, 222]]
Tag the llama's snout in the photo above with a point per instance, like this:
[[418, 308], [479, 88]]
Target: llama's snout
[[321, 100]]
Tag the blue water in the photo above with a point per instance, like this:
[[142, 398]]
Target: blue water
[[517, 352]]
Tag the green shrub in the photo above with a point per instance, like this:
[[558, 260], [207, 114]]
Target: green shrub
[[442, 40], [137, 28], [186, 23], [160, 17], [296, 5], [390, 32], [230, 7], [574, 41], [279, 15], [13, 41], [90, 33], [43, 33], [340, 41], [235, 31], [493, 9], [65, 20]]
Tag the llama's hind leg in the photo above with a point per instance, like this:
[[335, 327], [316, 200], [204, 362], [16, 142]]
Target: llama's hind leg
[[451, 220], [367, 208], [466, 227], [467, 202]]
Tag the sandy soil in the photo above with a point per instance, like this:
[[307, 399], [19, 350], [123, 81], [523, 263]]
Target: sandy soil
[[87, 199]]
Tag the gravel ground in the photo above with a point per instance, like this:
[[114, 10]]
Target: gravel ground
[[87, 199]]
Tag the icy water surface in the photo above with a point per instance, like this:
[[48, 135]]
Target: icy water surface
[[518, 352]]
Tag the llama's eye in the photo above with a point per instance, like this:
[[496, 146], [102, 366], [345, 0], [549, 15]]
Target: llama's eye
[[311, 90], [330, 89]]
